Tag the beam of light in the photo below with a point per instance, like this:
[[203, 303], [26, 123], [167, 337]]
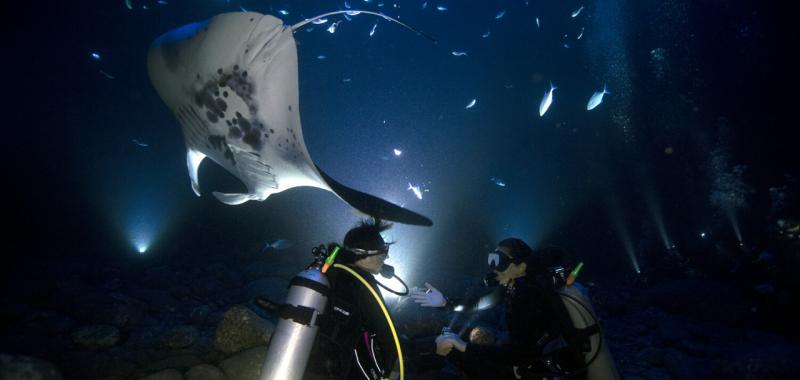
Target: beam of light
[[623, 233], [658, 218], [142, 226], [731, 213]]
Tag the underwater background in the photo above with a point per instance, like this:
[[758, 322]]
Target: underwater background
[[679, 191]]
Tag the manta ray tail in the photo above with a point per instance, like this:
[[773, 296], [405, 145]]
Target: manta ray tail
[[374, 206]]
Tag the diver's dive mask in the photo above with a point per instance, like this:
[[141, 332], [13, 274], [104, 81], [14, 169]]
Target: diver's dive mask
[[498, 261]]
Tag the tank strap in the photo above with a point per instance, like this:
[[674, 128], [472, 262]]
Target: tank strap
[[301, 314]]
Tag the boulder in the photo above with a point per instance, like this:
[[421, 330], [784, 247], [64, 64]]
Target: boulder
[[245, 365], [14, 367], [205, 372], [179, 337], [240, 329], [167, 374], [96, 337]]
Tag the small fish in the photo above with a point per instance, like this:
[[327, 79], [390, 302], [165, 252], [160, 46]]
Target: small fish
[[162, 2], [319, 21], [441, 8], [321, 57], [566, 45], [471, 104], [332, 27], [538, 24], [380, 5], [242, 9], [95, 56], [140, 144], [145, 7], [277, 245], [576, 12], [459, 53], [347, 5], [498, 181], [415, 189], [547, 100], [596, 98], [128, 4], [346, 80], [283, 12], [347, 17], [372, 31], [486, 35], [508, 86], [424, 5], [500, 14], [107, 75], [352, 13], [397, 152], [580, 34]]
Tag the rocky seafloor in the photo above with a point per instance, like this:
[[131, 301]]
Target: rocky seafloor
[[197, 321]]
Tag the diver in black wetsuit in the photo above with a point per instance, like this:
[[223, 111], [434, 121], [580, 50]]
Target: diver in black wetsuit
[[544, 342], [355, 340]]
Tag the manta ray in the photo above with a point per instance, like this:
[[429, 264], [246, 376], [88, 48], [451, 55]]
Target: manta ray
[[232, 83]]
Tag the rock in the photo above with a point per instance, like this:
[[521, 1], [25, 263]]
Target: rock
[[245, 365], [241, 328], [14, 367], [167, 374], [178, 360], [205, 372], [179, 337], [96, 337]]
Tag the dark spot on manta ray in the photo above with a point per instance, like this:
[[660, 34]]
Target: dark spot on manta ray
[[235, 121], [238, 114], [244, 73], [266, 135], [198, 76], [219, 71], [222, 105], [251, 20], [253, 138], [225, 94], [229, 122], [216, 93], [290, 107], [234, 133], [212, 117], [235, 67], [271, 130]]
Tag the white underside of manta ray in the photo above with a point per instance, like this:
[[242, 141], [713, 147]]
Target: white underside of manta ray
[[231, 81]]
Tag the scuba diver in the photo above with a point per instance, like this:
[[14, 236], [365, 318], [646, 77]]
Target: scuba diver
[[356, 339], [553, 332]]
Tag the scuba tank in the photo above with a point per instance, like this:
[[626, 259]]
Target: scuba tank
[[583, 324], [291, 344]]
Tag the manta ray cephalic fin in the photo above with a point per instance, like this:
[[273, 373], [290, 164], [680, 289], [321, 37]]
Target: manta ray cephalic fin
[[193, 160], [374, 206], [233, 199]]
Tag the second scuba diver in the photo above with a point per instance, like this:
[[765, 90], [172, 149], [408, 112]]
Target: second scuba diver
[[553, 332]]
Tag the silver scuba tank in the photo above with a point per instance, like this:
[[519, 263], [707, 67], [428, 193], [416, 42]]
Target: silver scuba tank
[[290, 346]]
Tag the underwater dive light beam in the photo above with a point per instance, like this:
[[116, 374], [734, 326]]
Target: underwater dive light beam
[[734, 223], [658, 217], [624, 235]]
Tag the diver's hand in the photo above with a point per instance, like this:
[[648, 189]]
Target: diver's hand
[[432, 297], [446, 342]]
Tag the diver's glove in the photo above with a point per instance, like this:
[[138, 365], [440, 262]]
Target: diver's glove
[[431, 297], [446, 342]]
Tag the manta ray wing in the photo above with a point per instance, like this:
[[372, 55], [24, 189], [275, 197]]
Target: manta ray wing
[[231, 82]]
